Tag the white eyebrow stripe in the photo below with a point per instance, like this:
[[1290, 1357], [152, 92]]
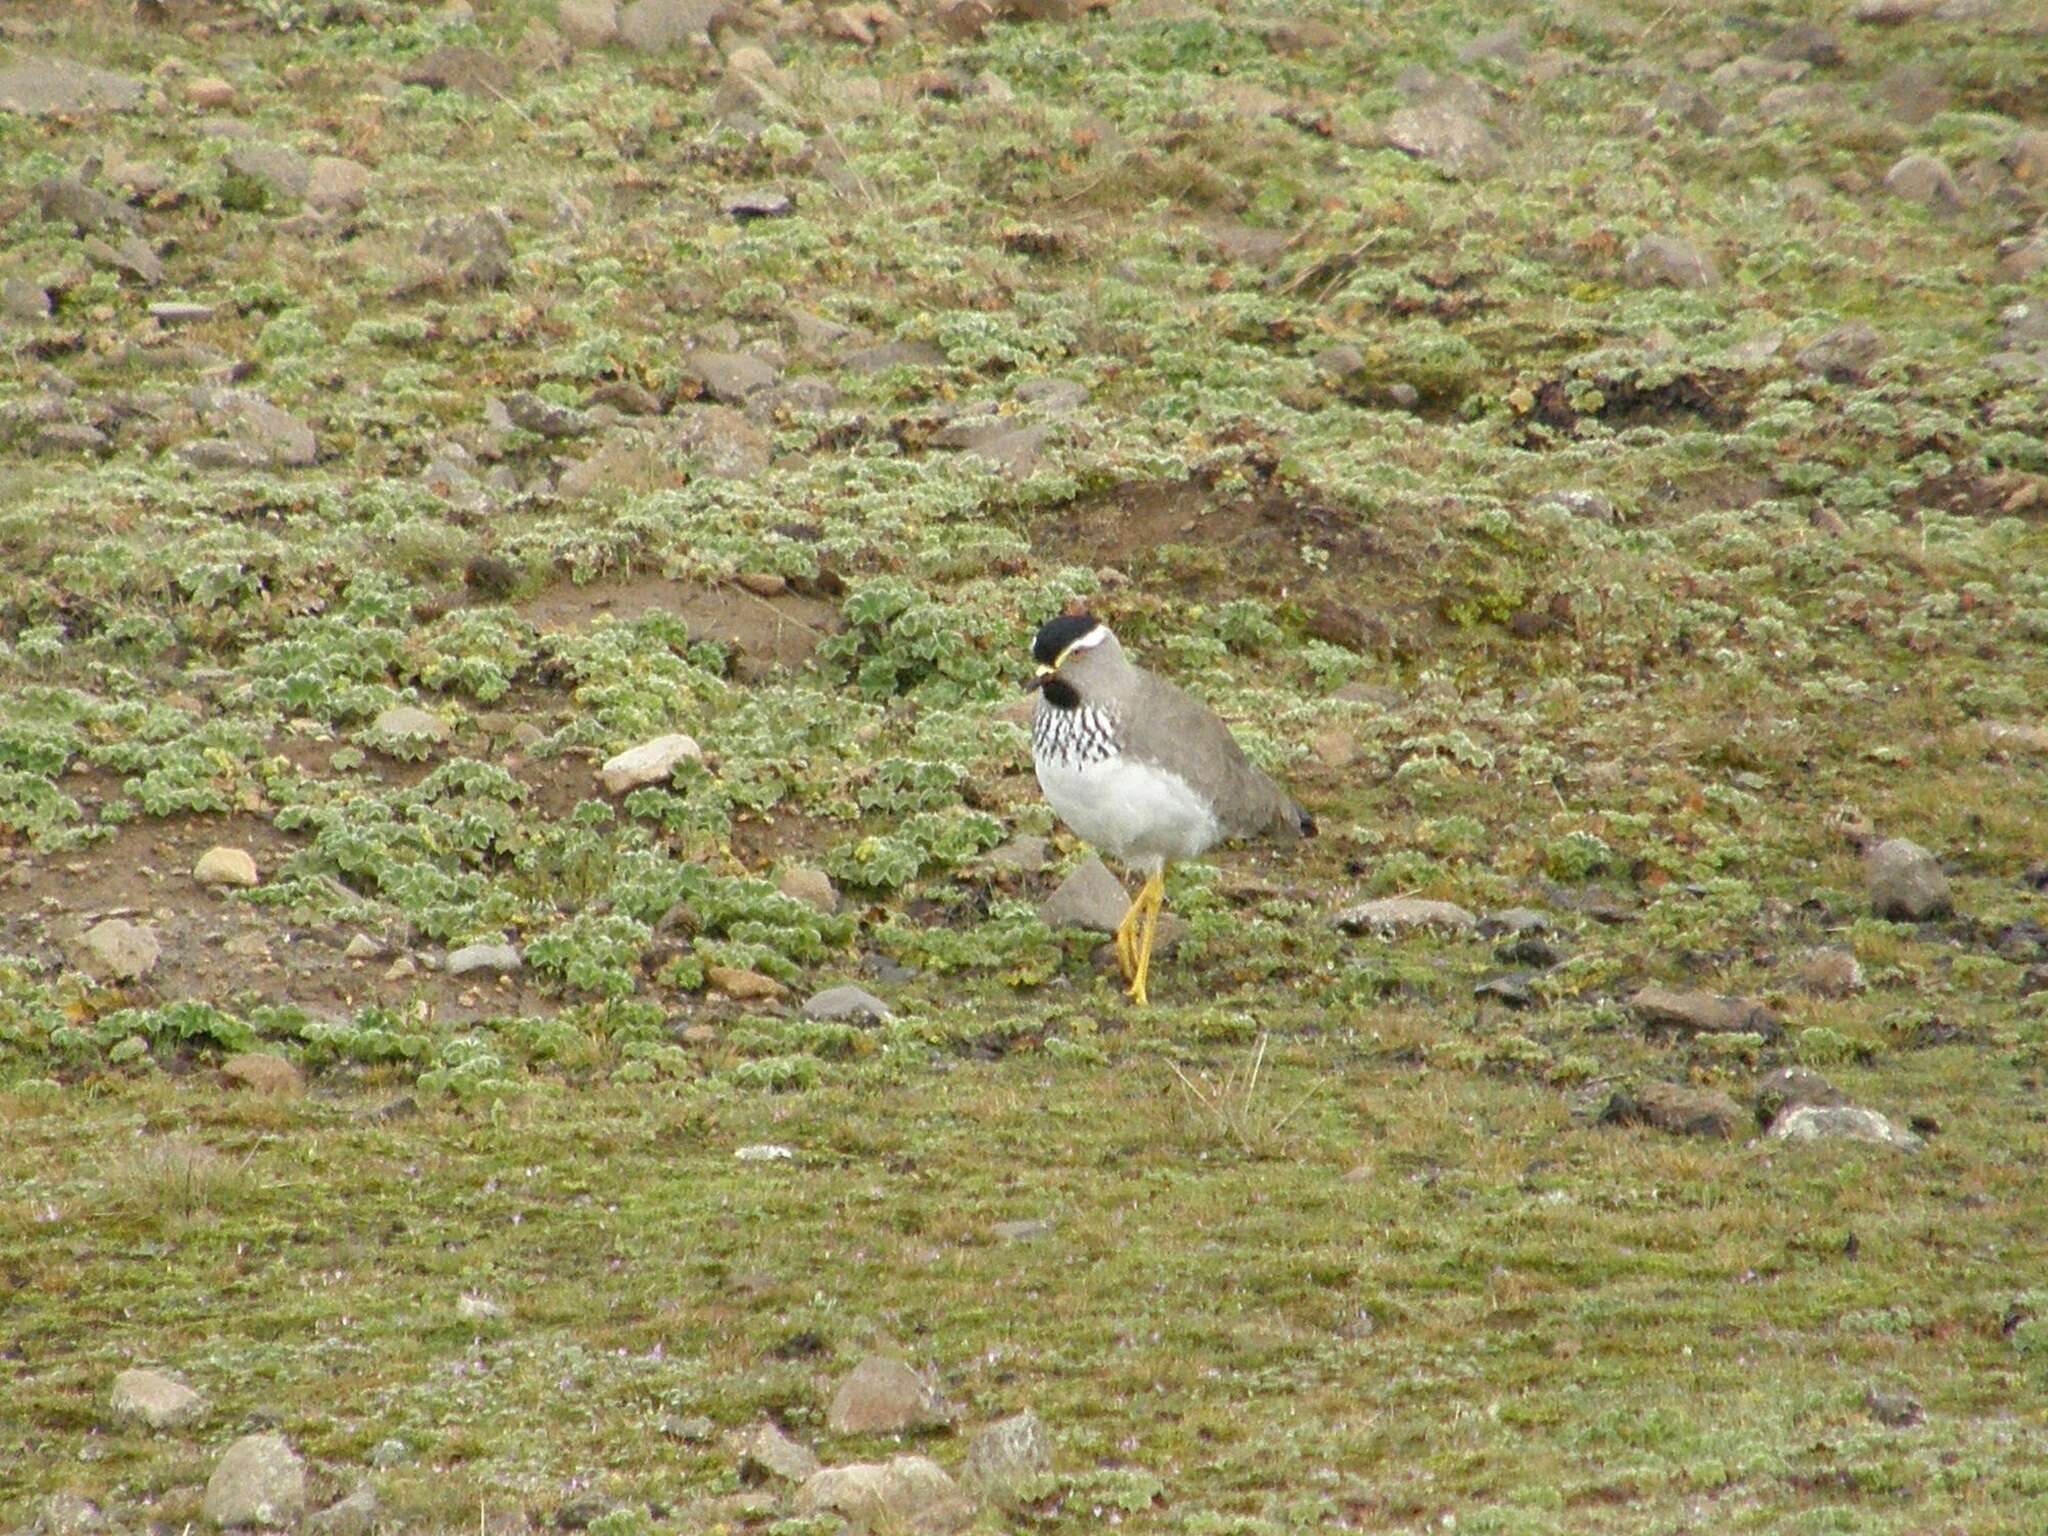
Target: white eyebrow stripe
[[1089, 641]]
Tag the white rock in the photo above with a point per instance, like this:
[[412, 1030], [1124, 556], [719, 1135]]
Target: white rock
[[406, 720], [259, 1481], [1841, 1122], [118, 950], [649, 763], [479, 1309], [767, 1152], [848, 1003], [903, 1493], [501, 959]]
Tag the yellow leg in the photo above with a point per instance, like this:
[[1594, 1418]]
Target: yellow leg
[[1127, 938], [1151, 898]]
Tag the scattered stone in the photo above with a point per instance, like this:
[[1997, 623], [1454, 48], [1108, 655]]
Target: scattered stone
[[812, 887], [1516, 990], [905, 1493], [118, 950], [1025, 854], [761, 203], [335, 185], [1894, 1410], [767, 1152], [2027, 157], [362, 947], [210, 93], [62, 88], [1905, 882], [264, 1072], [68, 439], [470, 71], [544, 418], [886, 1397], [1916, 93], [283, 173], [407, 722], [730, 376], [722, 442], [1448, 135], [893, 354], [69, 1514], [848, 1004], [1841, 1122], [469, 250], [652, 762], [67, 200], [1830, 972], [744, 986], [496, 959], [175, 314], [1090, 897], [355, 1515], [1590, 505], [1925, 180], [1845, 354], [1807, 43], [1393, 916], [219, 453], [1029, 1231], [159, 1401], [589, 23], [763, 1452], [1890, 13], [130, 256], [258, 1481], [656, 26], [1016, 453], [2004, 737], [1676, 1109], [1669, 260], [1004, 1455], [1788, 1088], [24, 300], [1517, 922], [1664, 1010], [225, 866], [479, 1309]]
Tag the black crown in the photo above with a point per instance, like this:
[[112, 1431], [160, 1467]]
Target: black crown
[[1057, 635]]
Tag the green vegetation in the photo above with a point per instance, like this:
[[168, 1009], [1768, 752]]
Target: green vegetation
[[1540, 585]]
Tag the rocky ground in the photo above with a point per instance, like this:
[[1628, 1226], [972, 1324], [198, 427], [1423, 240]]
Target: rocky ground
[[537, 989]]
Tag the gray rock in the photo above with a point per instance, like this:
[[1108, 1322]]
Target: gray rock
[[1448, 135], [1590, 505], [1090, 897], [1830, 972], [1055, 397], [1671, 261], [160, 1401], [498, 959], [258, 1481], [656, 26], [226, 866], [173, 314], [23, 300], [1342, 361], [130, 256], [1393, 916], [220, 453], [893, 354], [882, 1396], [848, 1004], [589, 23], [62, 88], [69, 1514], [68, 440], [118, 950], [764, 1452], [730, 376], [531, 413], [67, 200], [468, 71], [723, 442], [1807, 43], [1841, 1122], [1675, 1109], [1845, 354], [812, 887], [277, 436], [2024, 327], [1517, 990], [1027, 1231], [1016, 453], [906, 1493], [652, 762], [816, 333], [1925, 180], [355, 1515], [1664, 1010], [469, 250], [264, 1072], [407, 720], [1004, 1455], [1916, 93], [1894, 1410], [1905, 882], [284, 173], [758, 203], [335, 185], [1691, 106], [1024, 855], [1789, 1088]]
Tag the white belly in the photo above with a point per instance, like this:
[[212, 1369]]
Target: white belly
[[1134, 812]]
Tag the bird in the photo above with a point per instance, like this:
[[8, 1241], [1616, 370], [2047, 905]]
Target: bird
[[1144, 771]]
